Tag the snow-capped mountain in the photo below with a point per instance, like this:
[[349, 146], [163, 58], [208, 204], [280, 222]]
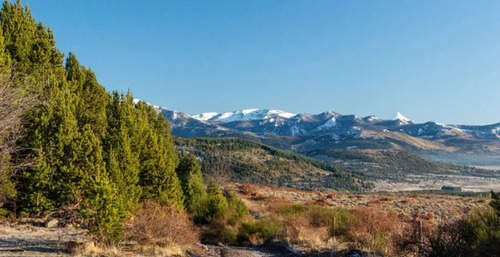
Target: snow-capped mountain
[[401, 118], [332, 129], [249, 114]]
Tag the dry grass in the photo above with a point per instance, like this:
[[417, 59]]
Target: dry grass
[[375, 229], [372, 222], [161, 228]]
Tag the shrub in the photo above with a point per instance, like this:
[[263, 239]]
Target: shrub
[[429, 216], [161, 225], [375, 229], [292, 210], [216, 203], [259, 232], [325, 216], [476, 235], [228, 236], [236, 209]]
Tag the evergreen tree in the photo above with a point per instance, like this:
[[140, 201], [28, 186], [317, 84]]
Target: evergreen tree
[[90, 149], [53, 131], [101, 205], [92, 97], [191, 178], [123, 163], [18, 29], [216, 202], [157, 157]]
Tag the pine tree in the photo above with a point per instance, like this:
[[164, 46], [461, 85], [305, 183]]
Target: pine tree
[[91, 149], [123, 163], [18, 28], [191, 178], [157, 157], [216, 202], [93, 98], [53, 131], [102, 207]]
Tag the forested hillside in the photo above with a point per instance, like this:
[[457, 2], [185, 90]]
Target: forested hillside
[[249, 161], [73, 149]]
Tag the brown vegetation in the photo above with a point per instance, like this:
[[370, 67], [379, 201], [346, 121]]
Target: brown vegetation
[[162, 226], [14, 102]]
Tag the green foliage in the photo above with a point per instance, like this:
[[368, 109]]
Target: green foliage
[[157, 157], [215, 203], [7, 189], [97, 151], [477, 234], [325, 216], [101, 205], [122, 161], [259, 232], [252, 162], [292, 210], [228, 236], [189, 173], [236, 209]]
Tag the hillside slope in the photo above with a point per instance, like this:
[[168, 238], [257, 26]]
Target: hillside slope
[[244, 160], [391, 164]]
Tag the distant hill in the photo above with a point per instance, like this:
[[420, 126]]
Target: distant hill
[[244, 160], [393, 165]]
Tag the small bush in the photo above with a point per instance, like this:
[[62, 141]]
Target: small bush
[[375, 229], [259, 232], [236, 209], [326, 216], [161, 225], [228, 236], [293, 210], [476, 235]]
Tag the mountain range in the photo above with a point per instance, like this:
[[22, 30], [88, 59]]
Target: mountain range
[[305, 132]]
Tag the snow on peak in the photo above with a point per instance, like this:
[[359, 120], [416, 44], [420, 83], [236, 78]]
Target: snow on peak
[[204, 116], [371, 118], [244, 115], [330, 123], [401, 117]]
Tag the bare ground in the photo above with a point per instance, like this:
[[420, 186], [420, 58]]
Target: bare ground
[[28, 240]]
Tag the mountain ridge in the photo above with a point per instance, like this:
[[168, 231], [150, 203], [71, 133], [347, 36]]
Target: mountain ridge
[[330, 129], [289, 124]]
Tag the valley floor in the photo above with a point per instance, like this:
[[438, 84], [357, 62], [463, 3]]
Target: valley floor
[[435, 182]]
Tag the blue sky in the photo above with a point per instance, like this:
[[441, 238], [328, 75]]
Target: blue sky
[[430, 60]]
